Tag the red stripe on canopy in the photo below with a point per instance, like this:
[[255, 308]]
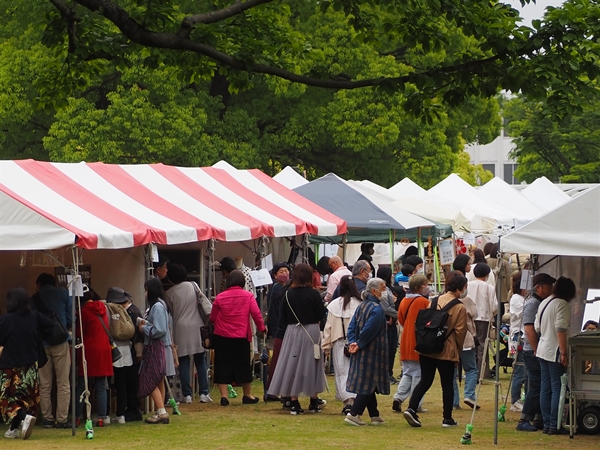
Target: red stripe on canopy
[[225, 178], [119, 178], [60, 183], [302, 202], [84, 238], [207, 198]]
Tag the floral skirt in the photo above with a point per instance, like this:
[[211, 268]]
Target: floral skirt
[[19, 388]]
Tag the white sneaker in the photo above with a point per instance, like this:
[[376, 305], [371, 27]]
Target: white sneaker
[[205, 398], [187, 399], [120, 419], [12, 434], [517, 406], [27, 426], [106, 420], [354, 420]]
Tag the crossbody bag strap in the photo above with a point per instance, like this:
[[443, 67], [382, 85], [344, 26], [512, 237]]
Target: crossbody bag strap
[[290, 306], [344, 330], [408, 308], [542, 313], [103, 325]]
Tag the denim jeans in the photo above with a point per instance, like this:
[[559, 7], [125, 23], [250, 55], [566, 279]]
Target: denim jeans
[[185, 372], [519, 378], [411, 375], [531, 408], [469, 364], [100, 385], [550, 391]]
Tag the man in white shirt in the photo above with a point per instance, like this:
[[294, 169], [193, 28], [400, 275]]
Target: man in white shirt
[[484, 297], [339, 270]]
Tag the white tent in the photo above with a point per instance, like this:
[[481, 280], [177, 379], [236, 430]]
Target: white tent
[[406, 188], [454, 189], [289, 178], [544, 194], [572, 229], [501, 193]]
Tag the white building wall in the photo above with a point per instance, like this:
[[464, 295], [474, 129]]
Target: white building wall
[[495, 157]]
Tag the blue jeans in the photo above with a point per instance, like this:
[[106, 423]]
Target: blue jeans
[[100, 385], [519, 378], [550, 392], [531, 408], [184, 373], [469, 364]]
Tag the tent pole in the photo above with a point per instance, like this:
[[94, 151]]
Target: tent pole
[[437, 277], [392, 250], [501, 275], [344, 242], [75, 253], [201, 269], [210, 247]]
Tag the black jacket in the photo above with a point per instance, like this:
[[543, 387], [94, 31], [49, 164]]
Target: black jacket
[[21, 336]]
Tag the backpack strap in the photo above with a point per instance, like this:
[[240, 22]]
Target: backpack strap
[[451, 304]]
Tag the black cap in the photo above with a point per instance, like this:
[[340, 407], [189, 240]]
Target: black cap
[[543, 278]]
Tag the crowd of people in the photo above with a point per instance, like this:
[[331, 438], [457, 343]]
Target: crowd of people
[[360, 319]]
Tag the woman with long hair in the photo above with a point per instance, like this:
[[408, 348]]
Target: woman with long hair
[[157, 327], [515, 307], [340, 312], [300, 370], [445, 361], [21, 333], [230, 314]]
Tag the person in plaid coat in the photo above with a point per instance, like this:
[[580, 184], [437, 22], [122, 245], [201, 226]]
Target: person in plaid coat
[[368, 374]]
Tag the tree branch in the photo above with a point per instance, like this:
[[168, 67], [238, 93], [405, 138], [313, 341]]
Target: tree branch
[[174, 41], [216, 16], [69, 15]]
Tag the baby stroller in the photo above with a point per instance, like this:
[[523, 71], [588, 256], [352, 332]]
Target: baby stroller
[[505, 360]]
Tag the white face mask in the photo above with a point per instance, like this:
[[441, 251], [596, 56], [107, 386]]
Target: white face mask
[[421, 271], [463, 294], [425, 292]]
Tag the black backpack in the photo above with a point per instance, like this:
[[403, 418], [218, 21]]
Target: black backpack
[[430, 328]]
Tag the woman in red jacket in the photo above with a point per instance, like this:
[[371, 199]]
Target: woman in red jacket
[[98, 354]]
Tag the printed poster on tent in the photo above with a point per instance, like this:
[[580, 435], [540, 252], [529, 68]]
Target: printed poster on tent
[[446, 252]]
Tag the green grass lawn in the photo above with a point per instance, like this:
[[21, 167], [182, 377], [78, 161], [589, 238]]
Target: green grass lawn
[[266, 426]]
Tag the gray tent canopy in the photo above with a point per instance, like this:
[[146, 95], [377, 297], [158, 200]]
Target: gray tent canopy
[[368, 219]]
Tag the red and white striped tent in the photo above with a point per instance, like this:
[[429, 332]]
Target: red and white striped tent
[[47, 205]]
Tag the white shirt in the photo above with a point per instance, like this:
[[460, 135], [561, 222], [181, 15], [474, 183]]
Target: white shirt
[[556, 317], [516, 304], [334, 280], [484, 296]]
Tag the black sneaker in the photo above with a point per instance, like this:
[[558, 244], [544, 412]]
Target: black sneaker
[[393, 380], [48, 423], [397, 406], [346, 409], [286, 403], [446, 423], [296, 409], [62, 425], [554, 431], [314, 408], [224, 401], [321, 402], [133, 416], [412, 418]]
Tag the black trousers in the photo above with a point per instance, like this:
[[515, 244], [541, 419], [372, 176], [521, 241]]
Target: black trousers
[[126, 384], [392, 332], [362, 401], [428, 368]]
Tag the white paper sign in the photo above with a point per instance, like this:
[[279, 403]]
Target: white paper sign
[[446, 252], [267, 262], [75, 287], [526, 280], [154, 252], [468, 239], [261, 277]]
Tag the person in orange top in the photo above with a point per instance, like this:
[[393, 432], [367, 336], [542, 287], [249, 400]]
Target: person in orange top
[[416, 300]]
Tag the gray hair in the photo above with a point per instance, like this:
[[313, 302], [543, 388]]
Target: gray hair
[[373, 283], [359, 266]]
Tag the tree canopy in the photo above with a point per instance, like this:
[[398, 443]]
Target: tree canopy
[[566, 150]]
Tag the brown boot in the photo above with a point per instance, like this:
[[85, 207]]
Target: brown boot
[[158, 418]]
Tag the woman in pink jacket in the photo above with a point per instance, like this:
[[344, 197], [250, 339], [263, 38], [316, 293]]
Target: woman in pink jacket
[[231, 314]]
